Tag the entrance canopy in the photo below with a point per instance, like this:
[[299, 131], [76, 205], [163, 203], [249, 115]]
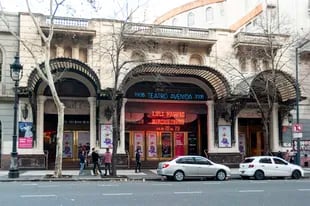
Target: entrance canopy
[[67, 67], [157, 72], [285, 84]]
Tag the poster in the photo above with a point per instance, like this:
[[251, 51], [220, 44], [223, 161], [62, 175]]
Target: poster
[[224, 136], [179, 149], [152, 144], [67, 144], [25, 137], [139, 141], [166, 144], [106, 131], [242, 143]]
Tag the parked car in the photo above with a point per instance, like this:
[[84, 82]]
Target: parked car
[[192, 166], [260, 167]]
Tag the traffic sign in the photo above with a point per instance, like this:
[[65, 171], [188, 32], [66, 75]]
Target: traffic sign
[[297, 128]]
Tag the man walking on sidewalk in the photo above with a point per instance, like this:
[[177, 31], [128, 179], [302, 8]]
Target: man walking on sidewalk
[[107, 159], [95, 160]]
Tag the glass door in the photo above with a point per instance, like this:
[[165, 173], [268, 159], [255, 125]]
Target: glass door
[[166, 144]]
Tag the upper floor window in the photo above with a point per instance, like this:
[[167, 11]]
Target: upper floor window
[[242, 64], [167, 58], [209, 14], [174, 22], [1, 62], [196, 60], [191, 19]]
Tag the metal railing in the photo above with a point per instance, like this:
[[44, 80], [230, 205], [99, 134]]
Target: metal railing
[[66, 22]]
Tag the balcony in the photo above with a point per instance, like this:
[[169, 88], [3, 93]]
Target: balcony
[[162, 32], [258, 40]]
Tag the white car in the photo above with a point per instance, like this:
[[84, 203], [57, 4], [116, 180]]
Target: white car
[[260, 167], [192, 166]]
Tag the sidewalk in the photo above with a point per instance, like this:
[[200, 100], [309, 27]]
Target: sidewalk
[[73, 175]]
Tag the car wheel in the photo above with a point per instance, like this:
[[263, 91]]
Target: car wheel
[[296, 174], [178, 176], [221, 175], [259, 175]]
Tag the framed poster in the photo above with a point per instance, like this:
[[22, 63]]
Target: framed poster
[[179, 144], [151, 144], [25, 135], [242, 148], [139, 142], [67, 144], [166, 144], [224, 136], [106, 136]]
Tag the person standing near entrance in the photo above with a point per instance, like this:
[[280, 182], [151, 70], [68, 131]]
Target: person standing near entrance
[[107, 159], [95, 160], [82, 155], [138, 161]]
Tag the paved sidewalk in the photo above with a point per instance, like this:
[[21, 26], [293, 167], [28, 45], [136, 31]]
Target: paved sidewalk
[[73, 175]]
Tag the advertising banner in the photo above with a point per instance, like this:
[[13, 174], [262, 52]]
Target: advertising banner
[[179, 149], [25, 137], [106, 131], [152, 144]]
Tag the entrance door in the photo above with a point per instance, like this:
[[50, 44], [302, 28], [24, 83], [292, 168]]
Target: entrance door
[[257, 143]]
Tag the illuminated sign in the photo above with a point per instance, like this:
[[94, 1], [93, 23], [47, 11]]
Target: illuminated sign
[[167, 118]]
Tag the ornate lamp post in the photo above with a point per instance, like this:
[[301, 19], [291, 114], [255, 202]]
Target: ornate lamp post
[[16, 72]]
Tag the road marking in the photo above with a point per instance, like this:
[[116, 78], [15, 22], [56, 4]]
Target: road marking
[[181, 193], [48, 186], [258, 182], [251, 190], [31, 196], [116, 194], [211, 183], [303, 190], [108, 185], [30, 184]]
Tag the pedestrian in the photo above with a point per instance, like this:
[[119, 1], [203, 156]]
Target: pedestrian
[[287, 155], [107, 159], [82, 155], [95, 160], [138, 161]]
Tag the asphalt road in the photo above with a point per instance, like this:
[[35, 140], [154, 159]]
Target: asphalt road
[[228, 193]]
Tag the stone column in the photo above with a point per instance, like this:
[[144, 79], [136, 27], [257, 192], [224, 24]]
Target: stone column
[[75, 52], [274, 132], [211, 135], [40, 123], [59, 51], [121, 146], [92, 122]]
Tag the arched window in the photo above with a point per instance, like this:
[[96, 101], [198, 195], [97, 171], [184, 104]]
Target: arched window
[[196, 59], [137, 56], [209, 14], [174, 22], [191, 19], [167, 58], [1, 62]]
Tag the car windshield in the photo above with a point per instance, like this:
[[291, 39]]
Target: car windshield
[[248, 160]]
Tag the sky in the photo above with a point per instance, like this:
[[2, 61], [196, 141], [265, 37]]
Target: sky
[[147, 12]]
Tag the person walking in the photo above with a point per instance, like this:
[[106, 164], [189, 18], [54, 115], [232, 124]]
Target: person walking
[[138, 161], [95, 160], [82, 155], [107, 159]]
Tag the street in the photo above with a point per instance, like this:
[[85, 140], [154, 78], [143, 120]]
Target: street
[[132, 193]]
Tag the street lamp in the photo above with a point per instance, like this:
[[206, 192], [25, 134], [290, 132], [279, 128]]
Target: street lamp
[[16, 72]]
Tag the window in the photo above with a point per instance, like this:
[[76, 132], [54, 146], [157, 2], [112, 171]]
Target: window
[[167, 58], [191, 19], [248, 160], [265, 161], [254, 65], [185, 160], [242, 64], [202, 161], [1, 62], [279, 162], [196, 59], [209, 14]]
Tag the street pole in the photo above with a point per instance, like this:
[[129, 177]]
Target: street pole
[[14, 172], [16, 72]]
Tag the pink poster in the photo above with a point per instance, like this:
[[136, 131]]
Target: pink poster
[[152, 146], [179, 144], [139, 143], [25, 137]]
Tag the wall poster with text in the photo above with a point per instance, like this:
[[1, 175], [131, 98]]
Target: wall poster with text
[[106, 136], [179, 144], [25, 137], [139, 142], [166, 144], [224, 136], [151, 144], [67, 144]]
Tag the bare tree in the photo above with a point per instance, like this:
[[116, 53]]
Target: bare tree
[[271, 54], [41, 53]]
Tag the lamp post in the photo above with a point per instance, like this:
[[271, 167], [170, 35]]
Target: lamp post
[[298, 96], [16, 72]]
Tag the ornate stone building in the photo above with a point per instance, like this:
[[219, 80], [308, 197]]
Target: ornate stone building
[[179, 94]]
